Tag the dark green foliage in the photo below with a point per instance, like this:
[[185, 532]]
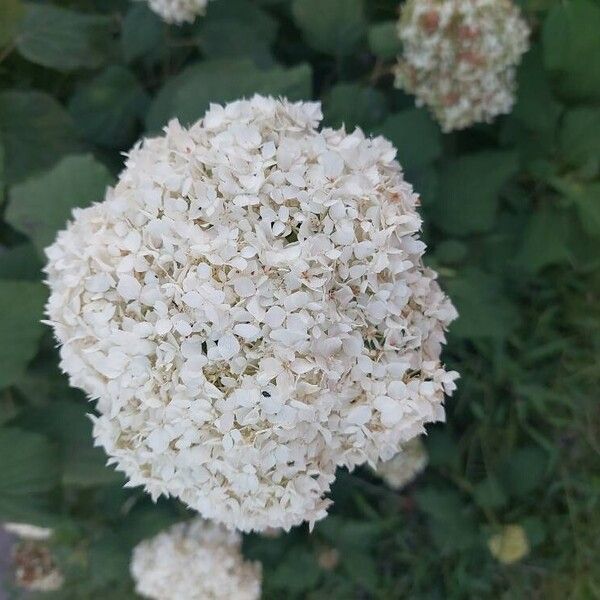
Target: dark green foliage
[[512, 220]]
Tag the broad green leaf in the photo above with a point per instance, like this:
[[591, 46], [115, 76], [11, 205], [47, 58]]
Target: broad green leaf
[[21, 308], [68, 424], [188, 95], [535, 529], [21, 263], [148, 520], [29, 468], [354, 105], [110, 557], [297, 571], [64, 39], [335, 27], [142, 32], [415, 135], [361, 568], [587, 202], [384, 41], [545, 240], [349, 534], [442, 448], [580, 135], [483, 307], [489, 493], [40, 206], [108, 108], [469, 190], [451, 252], [237, 29], [450, 522], [536, 108], [572, 48], [11, 13], [524, 470], [36, 131]]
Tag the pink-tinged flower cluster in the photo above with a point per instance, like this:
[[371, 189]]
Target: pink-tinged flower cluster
[[250, 309], [459, 57]]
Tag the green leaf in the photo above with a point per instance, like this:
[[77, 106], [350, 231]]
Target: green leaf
[[64, 39], [142, 32], [469, 190], [86, 466], [108, 108], [361, 568], [580, 135], [483, 307], [297, 571], [40, 206], [545, 240], [110, 559], [451, 252], [524, 470], [21, 308], [29, 468], [415, 135], [20, 263], [536, 107], [353, 105], [384, 41], [36, 132], [349, 534], [572, 49], [451, 523], [237, 29], [442, 449], [68, 424], [489, 493], [334, 27], [11, 13], [587, 202], [188, 95]]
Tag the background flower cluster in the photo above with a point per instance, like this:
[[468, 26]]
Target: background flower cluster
[[508, 501]]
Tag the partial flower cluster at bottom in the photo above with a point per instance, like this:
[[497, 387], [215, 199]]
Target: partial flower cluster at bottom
[[195, 560], [178, 12]]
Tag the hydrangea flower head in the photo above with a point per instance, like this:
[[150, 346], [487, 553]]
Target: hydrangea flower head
[[178, 11], [460, 56], [250, 309], [197, 560], [405, 466]]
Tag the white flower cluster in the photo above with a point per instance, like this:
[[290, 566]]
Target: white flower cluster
[[250, 308], [405, 466], [178, 11], [197, 560], [460, 56], [26, 531]]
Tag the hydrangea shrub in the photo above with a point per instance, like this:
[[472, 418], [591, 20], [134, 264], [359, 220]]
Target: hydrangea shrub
[[199, 279]]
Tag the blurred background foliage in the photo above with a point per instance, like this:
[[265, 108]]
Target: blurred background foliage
[[512, 218]]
